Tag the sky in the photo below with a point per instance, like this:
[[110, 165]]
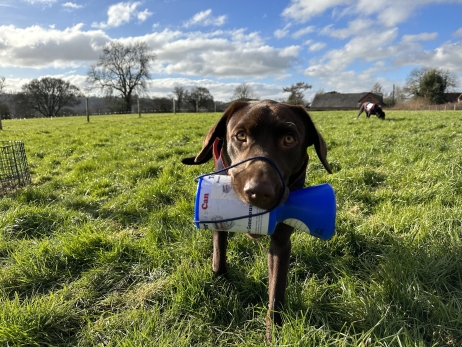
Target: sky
[[334, 45]]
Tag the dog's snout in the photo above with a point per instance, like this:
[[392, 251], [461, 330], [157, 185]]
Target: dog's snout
[[260, 193]]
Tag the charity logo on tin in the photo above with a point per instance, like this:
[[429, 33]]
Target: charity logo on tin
[[226, 188], [219, 225]]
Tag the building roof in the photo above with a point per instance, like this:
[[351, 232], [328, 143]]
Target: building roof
[[453, 97], [340, 100]]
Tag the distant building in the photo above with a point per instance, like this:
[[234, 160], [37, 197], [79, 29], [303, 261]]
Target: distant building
[[341, 101], [453, 97]]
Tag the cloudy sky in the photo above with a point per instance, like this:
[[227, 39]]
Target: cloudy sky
[[341, 45]]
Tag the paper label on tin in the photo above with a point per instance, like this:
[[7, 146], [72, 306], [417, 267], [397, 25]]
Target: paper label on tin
[[219, 201]]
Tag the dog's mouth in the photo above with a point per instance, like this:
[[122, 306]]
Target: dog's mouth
[[263, 195], [259, 185], [264, 191], [263, 200]]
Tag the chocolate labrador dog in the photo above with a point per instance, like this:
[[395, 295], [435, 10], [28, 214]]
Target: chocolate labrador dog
[[282, 133]]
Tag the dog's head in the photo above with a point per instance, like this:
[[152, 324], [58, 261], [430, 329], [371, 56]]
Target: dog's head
[[379, 111], [277, 131]]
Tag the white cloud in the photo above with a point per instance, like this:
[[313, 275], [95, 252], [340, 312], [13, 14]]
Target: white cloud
[[355, 27], [281, 33], [333, 69], [419, 37], [37, 47], [303, 32], [205, 18], [230, 54], [304, 10], [373, 41], [447, 56], [396, 12], [122, 13], [221, 54], [71, 5], [142, 16], [388, 12], [79, 81], [458, 32], [317, 46], [43, 2]]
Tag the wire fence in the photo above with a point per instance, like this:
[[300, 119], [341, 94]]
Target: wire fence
[[14, 170], [410, 106]]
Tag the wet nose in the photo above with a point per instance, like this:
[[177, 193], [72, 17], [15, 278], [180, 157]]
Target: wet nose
[[260, 193]]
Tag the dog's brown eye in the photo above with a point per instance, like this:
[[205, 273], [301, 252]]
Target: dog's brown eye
[[241, 136], [289, 140]]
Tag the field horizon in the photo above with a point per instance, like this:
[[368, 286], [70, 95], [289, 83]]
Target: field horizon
[[101, 250]]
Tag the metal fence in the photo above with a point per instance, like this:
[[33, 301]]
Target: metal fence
[[14, 171]]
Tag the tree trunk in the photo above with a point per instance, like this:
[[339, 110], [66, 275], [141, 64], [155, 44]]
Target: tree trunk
[[128, 104]]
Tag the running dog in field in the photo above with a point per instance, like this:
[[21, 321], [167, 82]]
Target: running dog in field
[[371, 108], [282, 133]]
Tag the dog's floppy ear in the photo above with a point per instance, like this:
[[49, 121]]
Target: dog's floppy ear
[[313, 137], [216, 131], [321, 151]]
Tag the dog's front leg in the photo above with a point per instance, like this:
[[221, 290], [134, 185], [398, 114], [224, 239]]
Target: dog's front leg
[[278, 267], [220, 243]]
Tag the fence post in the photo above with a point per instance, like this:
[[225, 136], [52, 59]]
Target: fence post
[[174, 109], [139, 111], [86, 110]]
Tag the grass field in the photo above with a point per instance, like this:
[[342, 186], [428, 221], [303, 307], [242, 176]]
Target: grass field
[[101, 250]]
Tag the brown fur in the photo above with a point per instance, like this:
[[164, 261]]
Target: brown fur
[[282, 133]]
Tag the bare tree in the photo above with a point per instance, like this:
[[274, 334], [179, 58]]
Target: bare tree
[[122, 69], [180, 93], [320, 91], [377, 88], [396, 96], [2, 84], [200, 97], [244, 91], [296, 92], [49, 95]]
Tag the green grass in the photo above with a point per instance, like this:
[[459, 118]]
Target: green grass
[[101, 250]]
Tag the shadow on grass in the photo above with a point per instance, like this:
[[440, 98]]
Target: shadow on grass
[[393, 119]]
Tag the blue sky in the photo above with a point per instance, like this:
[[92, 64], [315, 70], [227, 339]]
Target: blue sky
[[340, 45]]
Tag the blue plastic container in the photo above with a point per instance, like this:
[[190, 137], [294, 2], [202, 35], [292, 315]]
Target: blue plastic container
[[217, 207]]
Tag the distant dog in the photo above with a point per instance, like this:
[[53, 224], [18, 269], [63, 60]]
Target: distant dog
[[281, 133], [371, 108]]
